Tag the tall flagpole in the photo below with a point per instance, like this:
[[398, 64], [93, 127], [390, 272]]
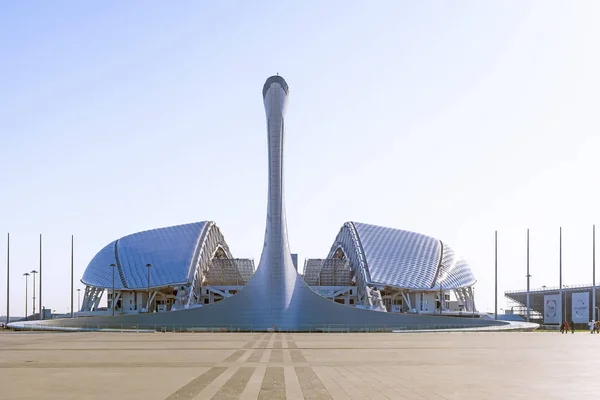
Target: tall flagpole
[[40, 282], [594, 315], [496, 275], [528, 276], [8, 279], [563, 307], [72, 314]]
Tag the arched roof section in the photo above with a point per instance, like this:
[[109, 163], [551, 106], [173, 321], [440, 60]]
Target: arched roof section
[[175, 253], [454, 271], [399, 258]]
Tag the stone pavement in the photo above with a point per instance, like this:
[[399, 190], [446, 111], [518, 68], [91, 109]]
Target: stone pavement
[[169, 366]]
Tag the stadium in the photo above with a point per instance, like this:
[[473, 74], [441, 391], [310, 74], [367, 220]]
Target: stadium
[[368, 266], [186, 277]]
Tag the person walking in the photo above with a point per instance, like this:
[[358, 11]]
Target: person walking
[[572, 327], [567, 327], [592, 326], [562, 327]]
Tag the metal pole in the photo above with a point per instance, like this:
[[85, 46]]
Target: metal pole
[[148, 306], [72, 311], [78, 300], [528, 276], [560, 271], [441, 297], [495, 276], [112, 301], [473, 299], [594, 270], [8, 279], [26, 275], [40, 297], [33, 273]]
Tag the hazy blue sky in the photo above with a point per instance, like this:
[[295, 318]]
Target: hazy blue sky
[[451, 119]]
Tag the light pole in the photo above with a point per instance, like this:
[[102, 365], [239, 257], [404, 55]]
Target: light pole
[[473, 300], [441, 298], [78, 302], [112, 301], [496, 275], [33, 272], [528, 277], [560, 285], [26, 275], [148, 266], [564, 300]]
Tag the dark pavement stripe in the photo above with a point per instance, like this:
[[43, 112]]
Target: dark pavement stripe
[[273, 384], [312, 387], [297, 356], [277, 345], [235, 356], [292, 345], [192, 389], [264, 344], [276, 356], [233, 388], [256, 355]]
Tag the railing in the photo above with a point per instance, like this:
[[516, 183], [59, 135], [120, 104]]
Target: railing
[[554, 288]]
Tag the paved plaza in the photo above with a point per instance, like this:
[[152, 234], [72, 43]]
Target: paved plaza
[[169, 366]]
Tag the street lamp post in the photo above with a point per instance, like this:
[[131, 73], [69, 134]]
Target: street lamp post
[[564, 301], [148, 266], [26, 275], [78, 302], [473, 300], [33, 273], [112, 302], [441, 298]]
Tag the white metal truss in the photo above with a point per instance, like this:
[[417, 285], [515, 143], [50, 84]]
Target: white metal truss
[[209, 241], [91, 298], [347, 244]]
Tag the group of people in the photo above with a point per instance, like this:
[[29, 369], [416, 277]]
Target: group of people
[[566, 325]]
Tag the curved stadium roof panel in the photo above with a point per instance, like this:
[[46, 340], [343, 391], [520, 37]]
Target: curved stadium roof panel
[[400, 258], [173, 252]]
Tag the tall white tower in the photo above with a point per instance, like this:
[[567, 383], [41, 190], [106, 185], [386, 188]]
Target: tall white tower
[[276, 269]]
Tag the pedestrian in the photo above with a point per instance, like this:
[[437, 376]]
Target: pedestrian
[[562, 327], [566, 326], [592, 326], [572, 327]]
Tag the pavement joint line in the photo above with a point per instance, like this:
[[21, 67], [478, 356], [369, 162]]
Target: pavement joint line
[[235, 386], [347, 386], [235, 356], [196, 385], [273, 385], [254, 384], [213, 387], [292, 385], [372, 390], [334, 389]]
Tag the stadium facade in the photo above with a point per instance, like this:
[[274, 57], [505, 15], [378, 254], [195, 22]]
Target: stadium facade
[[186, 276]]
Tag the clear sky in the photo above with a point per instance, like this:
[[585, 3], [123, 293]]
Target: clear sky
[[452, 119]]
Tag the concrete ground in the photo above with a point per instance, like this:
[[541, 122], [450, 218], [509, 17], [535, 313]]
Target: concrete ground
[[169, 366]]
